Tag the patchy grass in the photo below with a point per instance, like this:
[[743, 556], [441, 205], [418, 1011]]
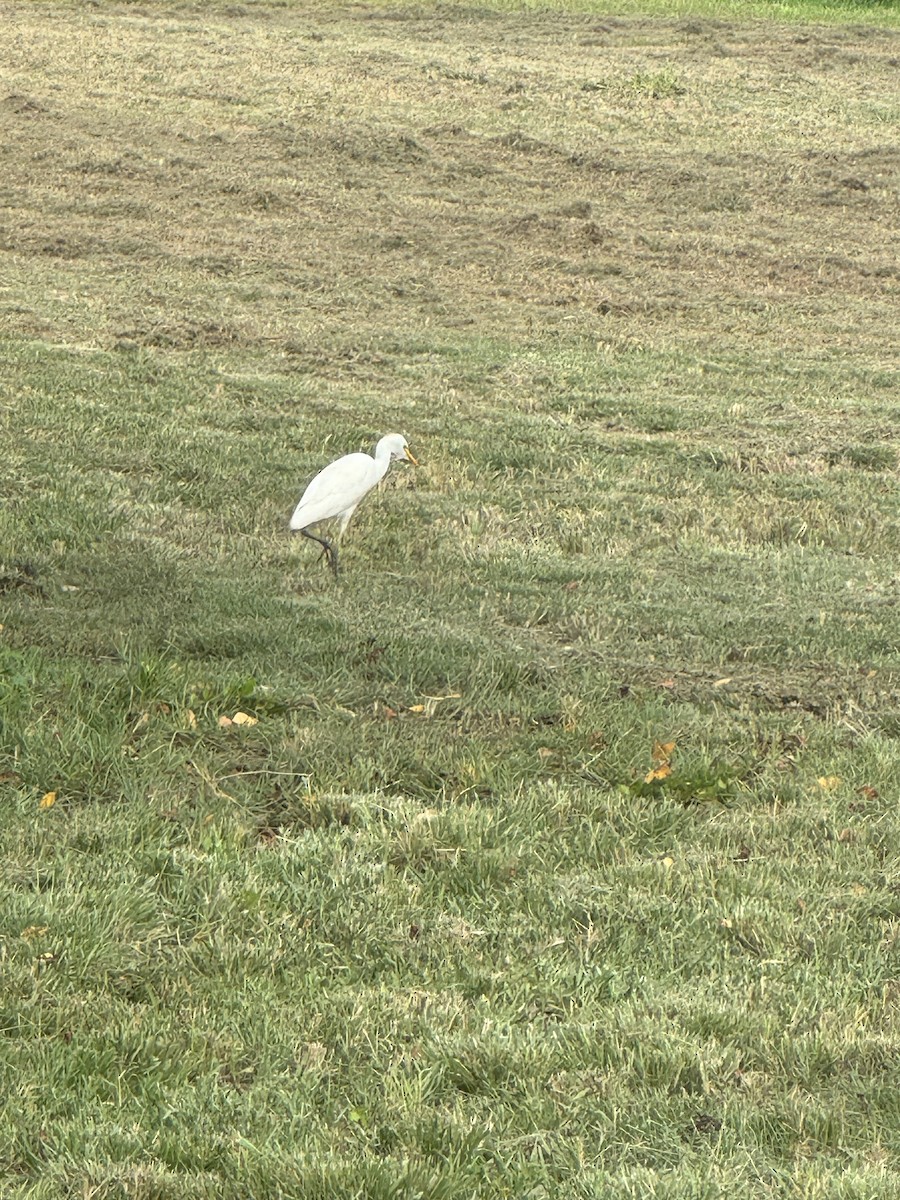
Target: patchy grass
[[871, 12], [558, 854], [819, 11]]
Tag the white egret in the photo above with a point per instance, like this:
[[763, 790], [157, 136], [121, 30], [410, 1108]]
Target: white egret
[[337, 490]]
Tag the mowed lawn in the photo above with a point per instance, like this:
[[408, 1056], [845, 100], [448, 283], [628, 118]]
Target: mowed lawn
[[552, 853]]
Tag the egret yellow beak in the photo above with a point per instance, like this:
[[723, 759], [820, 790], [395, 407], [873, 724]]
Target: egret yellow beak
[[410, 457]]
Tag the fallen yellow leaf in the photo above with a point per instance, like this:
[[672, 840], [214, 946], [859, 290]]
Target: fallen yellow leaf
[[32, 931], [225, 722], [661, 754], [722, 682], [663, 771], [48, 799], [242, 718], [545, 752], [416, 708], [191, 718], [829, 782], [668, 862]]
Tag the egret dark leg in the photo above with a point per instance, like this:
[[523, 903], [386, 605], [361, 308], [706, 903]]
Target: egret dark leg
[[329, 550]]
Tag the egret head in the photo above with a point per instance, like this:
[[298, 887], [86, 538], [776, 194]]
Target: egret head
[[394, 446]]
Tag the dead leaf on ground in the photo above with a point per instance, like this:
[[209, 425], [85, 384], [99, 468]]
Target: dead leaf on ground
[[828, 783], [225, 722], [663, 771], [870, 793], [661, 754], [242, 718], [48, 800]]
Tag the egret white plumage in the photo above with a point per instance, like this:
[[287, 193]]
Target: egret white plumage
[[338, 488]]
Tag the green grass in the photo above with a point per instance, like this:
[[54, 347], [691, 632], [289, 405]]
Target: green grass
[[427, 926], [875, 11]]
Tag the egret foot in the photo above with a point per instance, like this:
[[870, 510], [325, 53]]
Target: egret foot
[[329, 550]]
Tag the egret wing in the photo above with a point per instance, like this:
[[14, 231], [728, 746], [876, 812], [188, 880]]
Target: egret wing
[[338, 487]]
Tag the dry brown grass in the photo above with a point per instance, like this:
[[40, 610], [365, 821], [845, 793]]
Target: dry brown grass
[[285, 181]]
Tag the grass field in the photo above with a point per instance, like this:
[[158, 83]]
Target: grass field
[[558, 856]]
